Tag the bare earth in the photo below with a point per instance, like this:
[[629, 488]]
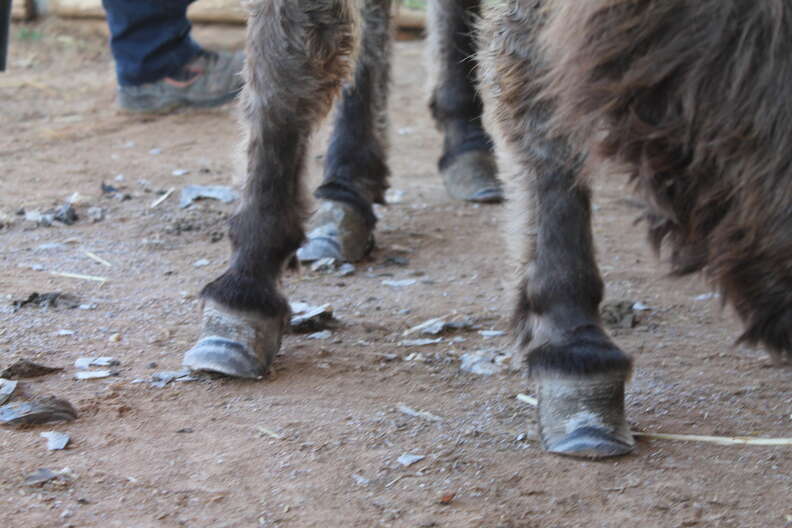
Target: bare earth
[[317, 443]]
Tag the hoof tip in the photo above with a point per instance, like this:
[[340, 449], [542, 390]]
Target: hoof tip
[[591, 442], [224, 356]]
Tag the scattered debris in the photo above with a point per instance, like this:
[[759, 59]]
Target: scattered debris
[[408, 459], [94, 374], [447, 498], [483, 362], [438, 326], [310, 319], [96, 214], [162, 198], [44, 475], [324, 334], [399, 283], [25, 368], [191, 193], [324, 265], [394, 196], [420, 342], [65, 332], [347, 269], [186, 430], [268, 432], [161, 379], [360, 480], [180, 172], [85, 363], [79, 276], [97, 258], [39, 218], [37, 412], [487, 334], [7, 388], [706, 296], [65, 214], [56, 441], [48, 300], [619, 314], [201, 263], [640, 307], [396, 260], [409, 411]]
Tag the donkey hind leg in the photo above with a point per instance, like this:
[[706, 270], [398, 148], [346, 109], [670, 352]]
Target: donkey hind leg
[[298, 56], [356, 171], [467, 165], [580, 373]]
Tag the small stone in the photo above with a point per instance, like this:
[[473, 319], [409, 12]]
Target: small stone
[[65, 332], [360, 480], [185, 430], [200, 263], [93, 374], [191, 193], [115, 338], [40, 476], [85, 363], [324, 334], [491, 333], [396, 260], [447, 498], [65, 214], [347, 269], [180, 172], [324, 265], [481, 362], [399, 283], [56, 441], [420, 342], [310, 319], [96, 214], [408, 459]]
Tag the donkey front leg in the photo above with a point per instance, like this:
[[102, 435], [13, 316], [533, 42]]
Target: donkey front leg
[[467, 165], [298, 56], [356, 171], [580, 373]]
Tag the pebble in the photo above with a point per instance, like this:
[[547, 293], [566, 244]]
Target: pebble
[[114, 338], [65, 332], [200, 263], [408, 459], [360, 480], [346, 270], [96, 214], [191, 193], [88, 362], [311, 319], [94, 374], [420, 342], [180, 172], [481, 362], [399, 283], [65, 214], [324, 265], [56, 441], [324, 334]]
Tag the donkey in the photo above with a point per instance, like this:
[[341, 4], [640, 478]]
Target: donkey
[[356, 170], [689, 96]]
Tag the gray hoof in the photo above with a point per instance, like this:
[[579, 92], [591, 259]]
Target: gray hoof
[[339, 231], [472, 177], [584, 416], [223, 356], [235, 343]]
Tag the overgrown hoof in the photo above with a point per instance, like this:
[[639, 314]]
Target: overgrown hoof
[[235, 343], [473, 177], [339, 232], [584, 416]]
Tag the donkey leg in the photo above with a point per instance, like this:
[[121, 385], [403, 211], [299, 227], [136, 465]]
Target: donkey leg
[[298, 56], [356, 171], [580, 373], [467, 165]]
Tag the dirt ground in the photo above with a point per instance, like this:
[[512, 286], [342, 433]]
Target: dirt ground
[[317, 442]]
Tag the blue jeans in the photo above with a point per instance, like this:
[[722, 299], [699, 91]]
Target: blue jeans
[[150, 39]]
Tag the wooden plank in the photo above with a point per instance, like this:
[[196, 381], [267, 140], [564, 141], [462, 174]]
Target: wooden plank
[[23, 9], [224, 11]]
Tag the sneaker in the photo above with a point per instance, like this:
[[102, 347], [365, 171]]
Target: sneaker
[[211, 79]]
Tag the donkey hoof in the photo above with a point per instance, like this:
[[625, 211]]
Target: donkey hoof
[[584, 416], [235, 343], [472, 177], [224, 356], [339, 232]]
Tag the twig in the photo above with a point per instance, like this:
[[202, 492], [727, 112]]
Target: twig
[[162, 198], [97, 258], [79, 276], [719, 440]]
